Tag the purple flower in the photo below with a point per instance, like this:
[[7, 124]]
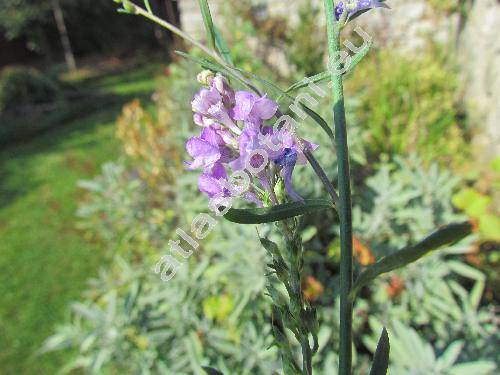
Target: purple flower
[[204, 100], [213, 183], [207, 149], [355, 6], [289, 141], [287, 161], [253, 109], [209, 108]]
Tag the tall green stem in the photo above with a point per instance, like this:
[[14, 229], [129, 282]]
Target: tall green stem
[[344, 209]]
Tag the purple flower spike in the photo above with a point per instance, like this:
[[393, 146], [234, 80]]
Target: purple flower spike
[[288, 160], [355, 6], [253, 109]]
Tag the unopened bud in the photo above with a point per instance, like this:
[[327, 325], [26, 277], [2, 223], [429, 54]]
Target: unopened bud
[[220, 83], [205, 77], [129, 7]]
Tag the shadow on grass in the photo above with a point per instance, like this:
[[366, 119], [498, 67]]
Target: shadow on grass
[[37, 134]]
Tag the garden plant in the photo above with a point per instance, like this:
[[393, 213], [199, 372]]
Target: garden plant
[[238, 137], [233, 300]]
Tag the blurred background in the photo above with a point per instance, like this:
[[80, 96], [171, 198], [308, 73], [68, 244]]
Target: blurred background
[[94, 113]]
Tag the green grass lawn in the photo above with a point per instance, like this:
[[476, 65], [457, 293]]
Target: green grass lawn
[[44, 260]]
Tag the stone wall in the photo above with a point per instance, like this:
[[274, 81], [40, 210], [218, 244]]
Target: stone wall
[[479, 54], [409, 25]]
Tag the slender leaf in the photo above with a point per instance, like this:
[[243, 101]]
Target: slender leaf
[[277, 213], [381, 357], [148, 6], [326, 76], [356, 59], [223, 48], [207, 20], [211, 371], [320, 121], [271, 247], [444, 236], [318, 78]]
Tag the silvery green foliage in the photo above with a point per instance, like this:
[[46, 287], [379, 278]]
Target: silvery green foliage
[[411, 355], [133, 322], [115, 199], [404, 202], [167, 324], [408, 199]]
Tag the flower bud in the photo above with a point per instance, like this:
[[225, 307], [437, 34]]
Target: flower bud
[[129, 7], [205, 77]]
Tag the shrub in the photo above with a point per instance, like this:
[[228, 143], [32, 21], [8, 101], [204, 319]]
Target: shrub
[[145, 141], [407, 105], [20, 86]]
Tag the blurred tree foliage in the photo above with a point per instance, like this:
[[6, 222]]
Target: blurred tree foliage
[[92, 26]]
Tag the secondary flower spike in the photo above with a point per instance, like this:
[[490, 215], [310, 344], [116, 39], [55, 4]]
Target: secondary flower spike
[[355, 6], [234, 139]]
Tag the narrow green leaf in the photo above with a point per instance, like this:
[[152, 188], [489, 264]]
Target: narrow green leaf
[[326, 76], [318, 78], [381, 357], [276, 213], [271, 247], [222, 47], [320, 121], [211, 371], [207, 20], [444, 236], [148, 6], [356, 59]]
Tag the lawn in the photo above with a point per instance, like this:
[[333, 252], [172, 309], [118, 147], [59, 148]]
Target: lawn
[[44, 260]]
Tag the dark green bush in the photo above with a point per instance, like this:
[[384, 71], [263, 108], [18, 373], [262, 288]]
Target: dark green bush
[[20, 86]]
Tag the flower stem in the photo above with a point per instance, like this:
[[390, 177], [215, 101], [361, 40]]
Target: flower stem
[[344, 208]]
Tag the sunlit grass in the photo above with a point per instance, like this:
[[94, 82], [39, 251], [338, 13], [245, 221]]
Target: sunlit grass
[[44, 260]]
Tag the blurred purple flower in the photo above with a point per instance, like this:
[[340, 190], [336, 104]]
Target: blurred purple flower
[[355, 6], [221, 84], [209, 108]]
